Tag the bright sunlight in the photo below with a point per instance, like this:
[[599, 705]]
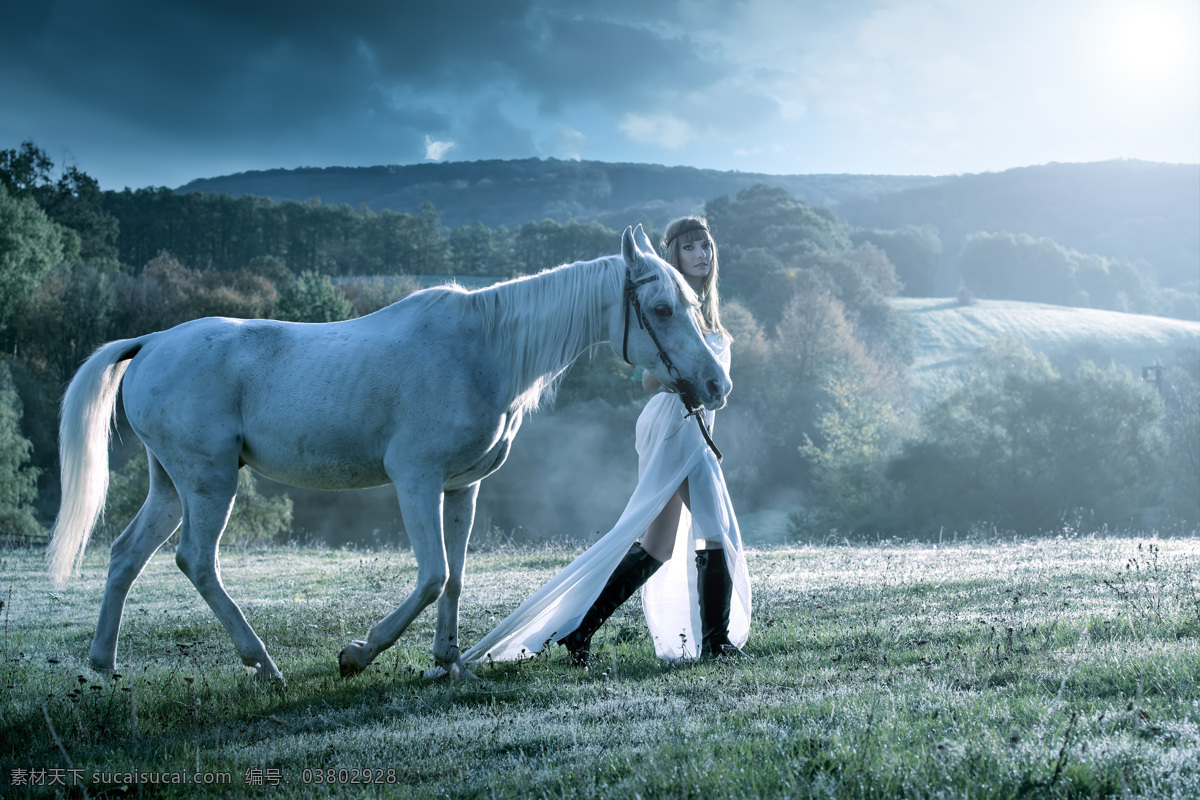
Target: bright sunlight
[[1147, 43]]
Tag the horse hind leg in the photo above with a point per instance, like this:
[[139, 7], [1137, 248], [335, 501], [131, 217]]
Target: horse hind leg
[[153, 525], [205, 513]]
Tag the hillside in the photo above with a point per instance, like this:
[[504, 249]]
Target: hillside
[[947, 337], [512, 193], [1120, 209]]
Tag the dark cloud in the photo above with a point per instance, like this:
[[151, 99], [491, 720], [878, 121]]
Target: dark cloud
[[619, 66], [191, 59], [198, 69], [179, 67]]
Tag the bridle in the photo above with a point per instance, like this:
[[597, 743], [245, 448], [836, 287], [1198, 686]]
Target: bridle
[[687, 394]]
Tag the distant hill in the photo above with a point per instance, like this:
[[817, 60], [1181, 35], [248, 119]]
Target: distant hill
[[1125, 209], [948, 336], [512, 193], [1120, 209]]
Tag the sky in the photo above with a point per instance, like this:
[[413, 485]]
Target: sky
[[159, 92]]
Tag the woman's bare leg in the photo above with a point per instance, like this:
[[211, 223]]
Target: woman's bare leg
[[659, 539]]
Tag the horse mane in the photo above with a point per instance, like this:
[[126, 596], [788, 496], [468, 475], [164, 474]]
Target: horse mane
[[542, 322]]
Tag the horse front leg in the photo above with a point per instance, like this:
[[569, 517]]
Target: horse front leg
[[459, 517], [421, 510]]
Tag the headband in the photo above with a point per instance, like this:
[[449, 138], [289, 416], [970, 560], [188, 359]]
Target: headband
[[697, 226]]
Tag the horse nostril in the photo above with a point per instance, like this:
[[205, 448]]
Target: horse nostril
[[714, 387]]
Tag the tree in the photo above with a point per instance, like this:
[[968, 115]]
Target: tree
[[769, 217], [18, 481], [751, 349], [68, 316], [858, 277], [814, 342], [914, 251], [756, 277], [430, 250], [771, 245], [240, 294], [1018, 267], [856, 434], [30, 246], [471, 250], [813, 348], [834, 409], [24, 171], [1020, 446], [1181, 427], [313, 298], [368, 295], [538, 245], [166, 293], [74, 200], [155, 299]]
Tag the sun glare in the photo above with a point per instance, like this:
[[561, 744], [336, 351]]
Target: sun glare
[[1145, 43]]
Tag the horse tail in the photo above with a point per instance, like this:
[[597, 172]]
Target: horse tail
[[87, 420]]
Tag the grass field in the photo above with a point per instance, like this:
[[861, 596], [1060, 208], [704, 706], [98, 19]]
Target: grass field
[[1037, 668]]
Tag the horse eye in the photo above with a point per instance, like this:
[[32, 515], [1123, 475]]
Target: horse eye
[[662, 310]]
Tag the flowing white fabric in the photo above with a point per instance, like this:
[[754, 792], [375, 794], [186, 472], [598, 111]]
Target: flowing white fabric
[[670, 448]]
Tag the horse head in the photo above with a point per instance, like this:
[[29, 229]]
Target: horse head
[[657, 325]]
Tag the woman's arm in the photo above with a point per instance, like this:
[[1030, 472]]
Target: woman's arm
[[650, 383]]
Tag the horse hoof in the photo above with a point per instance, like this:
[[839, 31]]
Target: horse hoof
[[104, 668], [348, 667], [272, 678], [457, 672], [461, 673]]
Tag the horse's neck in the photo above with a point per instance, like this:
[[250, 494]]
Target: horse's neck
[[543, 323]]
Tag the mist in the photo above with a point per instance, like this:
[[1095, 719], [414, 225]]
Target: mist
[[567, 478]]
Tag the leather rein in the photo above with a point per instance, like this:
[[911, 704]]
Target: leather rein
[[686, 393]]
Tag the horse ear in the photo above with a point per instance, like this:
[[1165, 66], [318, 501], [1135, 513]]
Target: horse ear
[[629, 248], [642, 240]]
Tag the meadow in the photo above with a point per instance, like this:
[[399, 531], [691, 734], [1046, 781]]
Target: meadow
[[1026, 668], [948, 336]]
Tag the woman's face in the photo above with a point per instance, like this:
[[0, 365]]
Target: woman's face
[[695, 261]]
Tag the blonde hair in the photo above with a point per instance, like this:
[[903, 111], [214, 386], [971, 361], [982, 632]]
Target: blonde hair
[[679, 232]]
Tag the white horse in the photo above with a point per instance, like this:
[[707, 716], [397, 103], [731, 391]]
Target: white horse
[[426, 394]]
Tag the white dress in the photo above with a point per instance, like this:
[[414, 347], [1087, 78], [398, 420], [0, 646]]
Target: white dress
[[670, 448]]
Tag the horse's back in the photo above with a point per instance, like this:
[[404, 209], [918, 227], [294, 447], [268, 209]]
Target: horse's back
[[315, 404], [209, 359]]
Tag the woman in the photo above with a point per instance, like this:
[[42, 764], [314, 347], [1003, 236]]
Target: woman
[[698, 604]]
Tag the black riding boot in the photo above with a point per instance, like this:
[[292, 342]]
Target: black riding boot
[[714, 585], [635, 568]]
